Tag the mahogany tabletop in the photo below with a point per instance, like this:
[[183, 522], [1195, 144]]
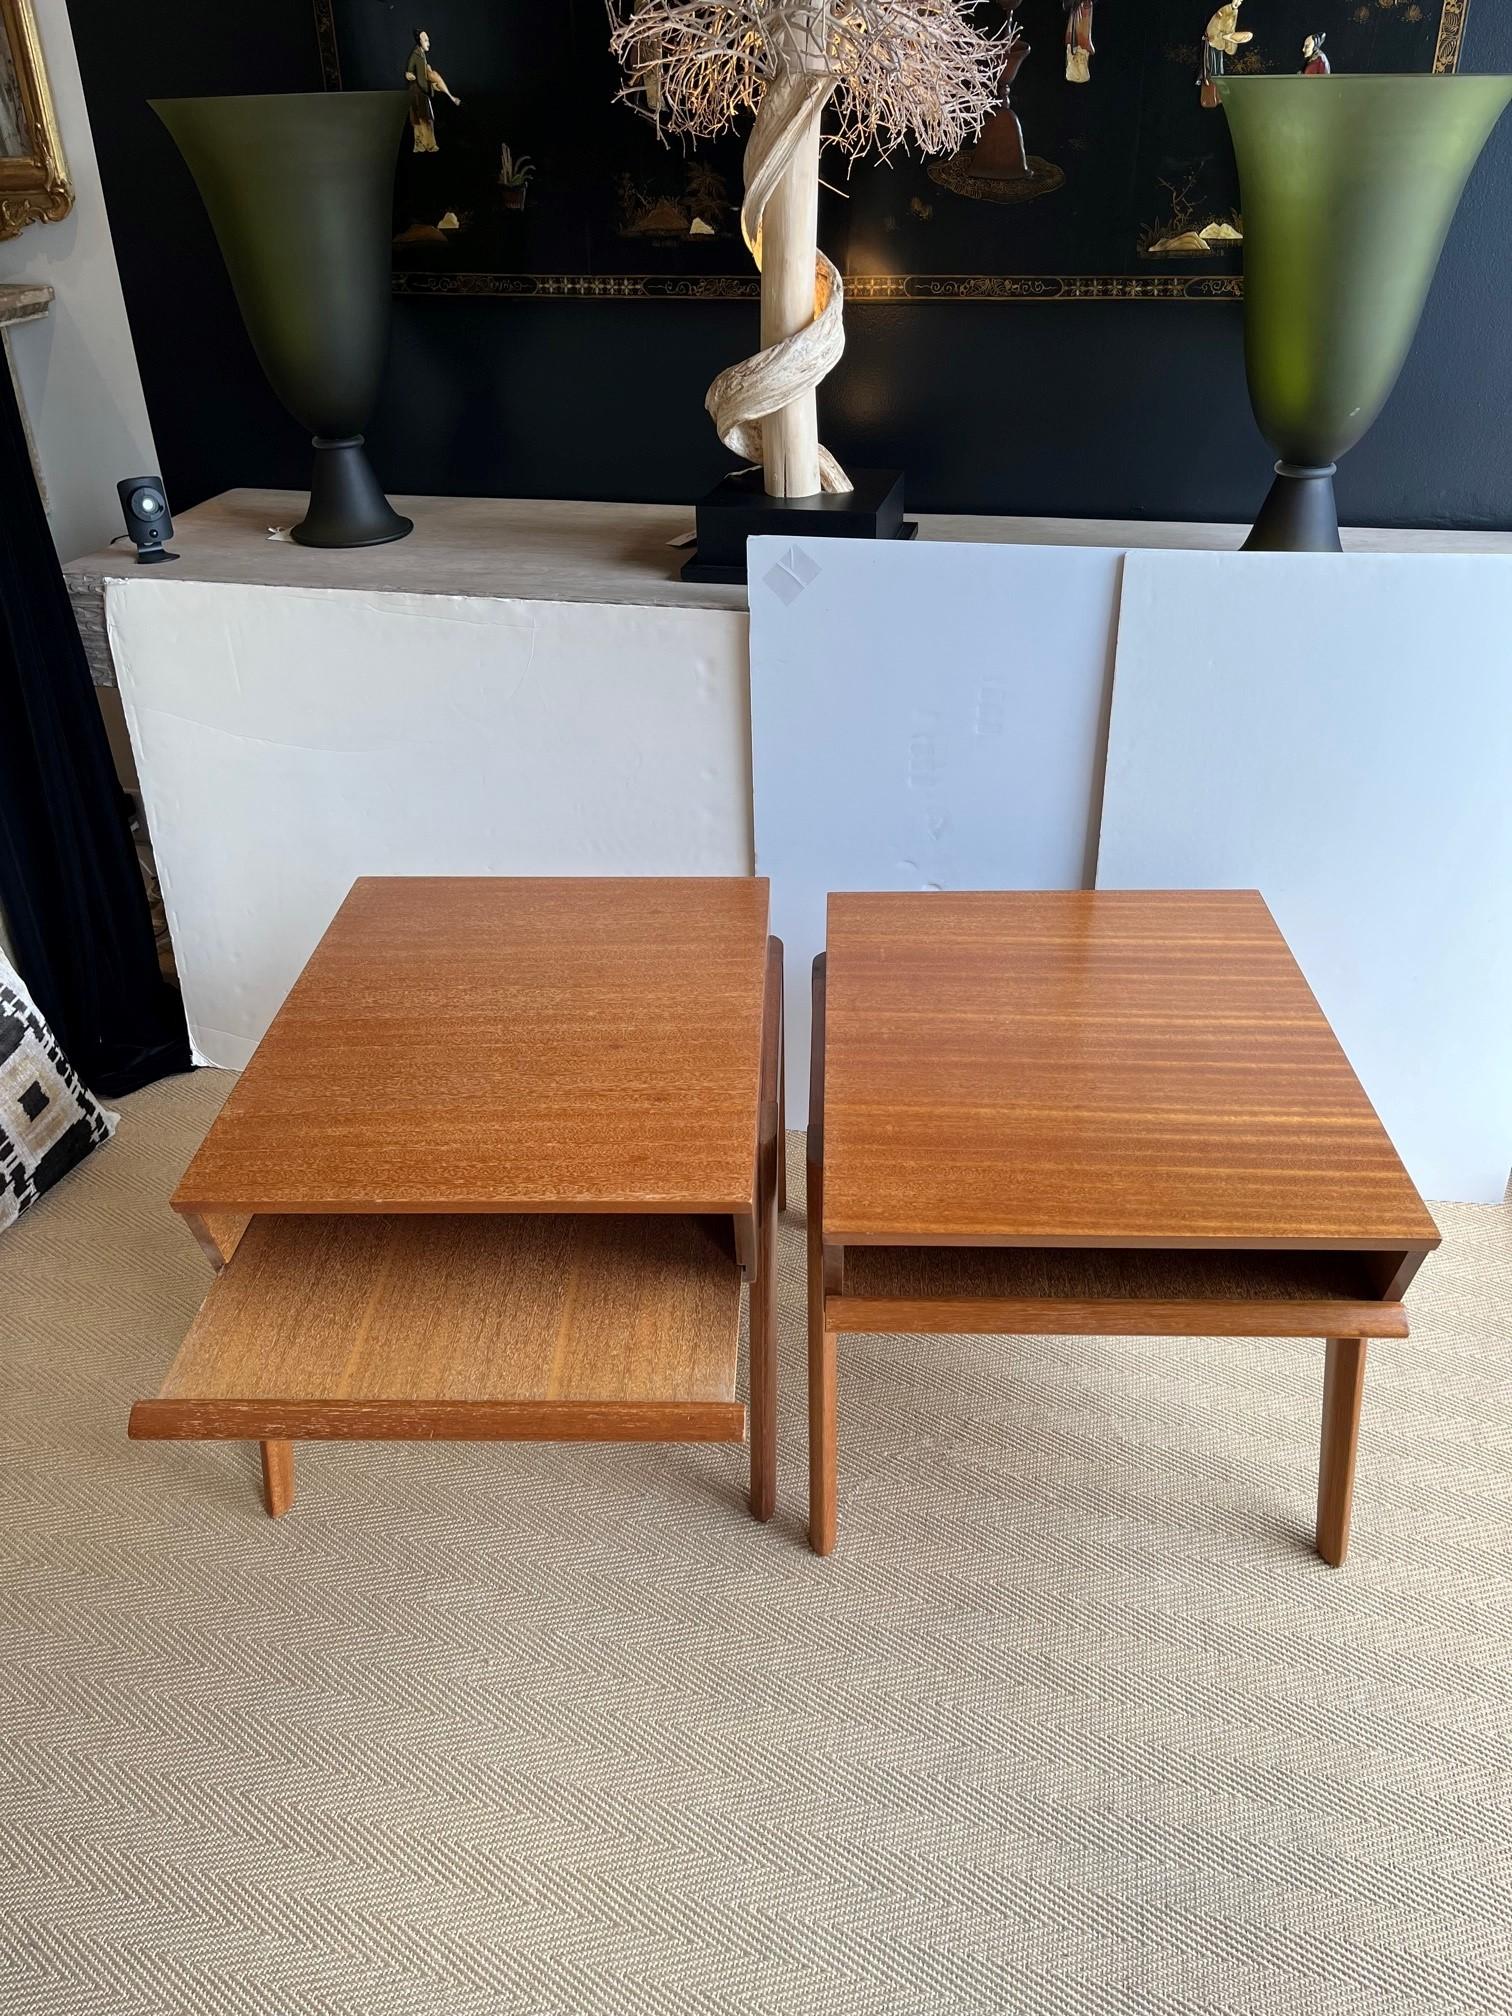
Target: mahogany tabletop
[[1097, 1069], [507, 1044]]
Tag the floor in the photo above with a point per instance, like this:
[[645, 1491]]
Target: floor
[[1072, 1722]]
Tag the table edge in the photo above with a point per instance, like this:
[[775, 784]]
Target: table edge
[[1374, 1242], [193, 1205]]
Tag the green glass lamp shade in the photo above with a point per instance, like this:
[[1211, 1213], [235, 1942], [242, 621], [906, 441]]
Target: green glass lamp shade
[[1348, 188], [300, 192]]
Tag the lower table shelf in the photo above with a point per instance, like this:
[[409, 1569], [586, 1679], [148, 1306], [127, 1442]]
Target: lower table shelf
[[475, 1328], [1111, 1291]]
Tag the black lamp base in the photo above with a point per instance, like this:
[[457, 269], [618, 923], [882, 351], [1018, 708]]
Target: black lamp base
[[1299, 515], [738, 508], [347, 508]]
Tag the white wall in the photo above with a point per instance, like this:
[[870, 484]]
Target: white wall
[[76, 366]]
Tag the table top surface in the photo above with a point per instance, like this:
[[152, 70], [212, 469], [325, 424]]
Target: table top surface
[[563, 550], [1108, 1069], [503, 1044]]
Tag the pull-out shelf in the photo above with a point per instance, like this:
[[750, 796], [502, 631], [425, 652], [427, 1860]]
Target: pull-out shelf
[[465, 1328]]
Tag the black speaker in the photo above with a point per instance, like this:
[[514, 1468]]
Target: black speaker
[[144, 505]]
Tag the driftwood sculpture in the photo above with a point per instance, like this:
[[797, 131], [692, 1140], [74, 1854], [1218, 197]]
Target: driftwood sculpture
[[888, 72]]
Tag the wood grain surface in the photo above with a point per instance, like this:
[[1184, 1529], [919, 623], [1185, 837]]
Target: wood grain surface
[[404, 1314], [232, 1420], [1104, 1069], [1117, 1273], [507, 1044], [1110, 1292], [1142, 1316]]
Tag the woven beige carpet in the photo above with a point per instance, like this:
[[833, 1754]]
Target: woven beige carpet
[[1073, 1721]]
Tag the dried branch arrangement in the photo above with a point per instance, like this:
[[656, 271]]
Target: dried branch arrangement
[[891, 72], [901, 70]]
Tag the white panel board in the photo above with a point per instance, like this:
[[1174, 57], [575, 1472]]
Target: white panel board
[[927, 716], [1338, 733], [290, 740]]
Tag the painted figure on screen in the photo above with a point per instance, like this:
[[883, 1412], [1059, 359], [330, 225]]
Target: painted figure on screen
[[1314, 62], [1080, 48], [1000, 150], [1223, 38], [424, 80], [614, 216], [997, 169]]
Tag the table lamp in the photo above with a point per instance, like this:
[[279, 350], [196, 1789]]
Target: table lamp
[[889, 72]]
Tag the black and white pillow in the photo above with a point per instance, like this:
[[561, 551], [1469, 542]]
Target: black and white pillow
[[48, 1122]]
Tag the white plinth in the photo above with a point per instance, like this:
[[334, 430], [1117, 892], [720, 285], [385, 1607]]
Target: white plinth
[[290, 740], [527, 687]]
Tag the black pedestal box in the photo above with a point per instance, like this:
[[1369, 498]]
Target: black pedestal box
[[739, 509]]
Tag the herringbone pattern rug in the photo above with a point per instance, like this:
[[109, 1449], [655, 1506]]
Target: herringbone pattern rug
[[1072, 1722]]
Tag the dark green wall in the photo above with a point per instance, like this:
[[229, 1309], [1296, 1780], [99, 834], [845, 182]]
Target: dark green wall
[[1132, 410]]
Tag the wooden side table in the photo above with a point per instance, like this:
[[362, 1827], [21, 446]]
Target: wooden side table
[[497, 1171], [1104, 1114]]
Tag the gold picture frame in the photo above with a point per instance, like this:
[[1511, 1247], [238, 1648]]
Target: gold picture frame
[[34, 184]]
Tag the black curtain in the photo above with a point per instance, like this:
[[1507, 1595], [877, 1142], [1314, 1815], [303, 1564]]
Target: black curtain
[[70, 885]]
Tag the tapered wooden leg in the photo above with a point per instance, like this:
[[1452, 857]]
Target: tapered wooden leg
[[782, 1120], [278, 1477], [823, 1489], [769, 1159], [1343, 1392], [763, 1401]]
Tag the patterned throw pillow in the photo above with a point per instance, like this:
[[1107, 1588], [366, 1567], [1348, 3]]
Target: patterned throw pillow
[[48, 1122]]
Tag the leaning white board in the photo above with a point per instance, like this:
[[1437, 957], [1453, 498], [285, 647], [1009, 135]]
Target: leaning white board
[[1337, 732], [289, 740], [923, 716]]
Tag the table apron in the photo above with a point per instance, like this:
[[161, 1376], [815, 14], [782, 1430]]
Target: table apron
[[438, 1421], [1064, 1317]]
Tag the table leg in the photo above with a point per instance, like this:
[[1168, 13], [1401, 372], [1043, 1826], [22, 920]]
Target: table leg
[[1343, 1392], [278, 1477], [822, 1379], [217, 1233], [782, 1116], [823, 1485], [764, 1353], [762, 1272]]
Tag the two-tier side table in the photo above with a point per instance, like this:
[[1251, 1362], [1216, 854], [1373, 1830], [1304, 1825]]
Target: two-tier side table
[[1110, 1114], [497, 1171]]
